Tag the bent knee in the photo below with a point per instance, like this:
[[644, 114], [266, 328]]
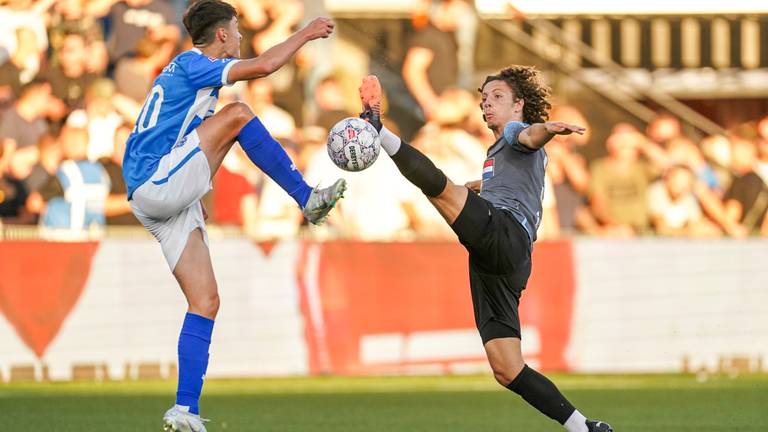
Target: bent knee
[[205, 305], [240, 113], [505, 374]]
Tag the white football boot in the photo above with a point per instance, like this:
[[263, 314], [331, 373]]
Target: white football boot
[[321, 201], [179, 419]]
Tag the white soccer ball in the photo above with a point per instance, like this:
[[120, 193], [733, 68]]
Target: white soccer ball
[[353, 144]]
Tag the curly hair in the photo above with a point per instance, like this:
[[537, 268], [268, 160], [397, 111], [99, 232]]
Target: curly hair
[[526, 84]]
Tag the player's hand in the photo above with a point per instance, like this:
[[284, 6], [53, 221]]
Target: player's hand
[[319, 28], [560, 128], [474, 185]]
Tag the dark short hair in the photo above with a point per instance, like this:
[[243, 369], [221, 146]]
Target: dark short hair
[[526, 84], [203, 17]]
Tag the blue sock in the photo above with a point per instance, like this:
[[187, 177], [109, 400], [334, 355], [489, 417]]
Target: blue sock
[[194, 341], [270, 157]]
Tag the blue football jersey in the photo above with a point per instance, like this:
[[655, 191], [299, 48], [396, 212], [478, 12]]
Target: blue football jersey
[[182, 96]]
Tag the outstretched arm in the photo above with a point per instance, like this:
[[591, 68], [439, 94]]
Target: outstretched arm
[[275, 57], [537, 135]]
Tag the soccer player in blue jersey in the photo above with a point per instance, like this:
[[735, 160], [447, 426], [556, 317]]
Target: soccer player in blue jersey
[[174, 151], [497, 225]]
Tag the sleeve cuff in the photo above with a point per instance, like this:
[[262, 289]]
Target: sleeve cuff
[[225, 73], [512, 130]]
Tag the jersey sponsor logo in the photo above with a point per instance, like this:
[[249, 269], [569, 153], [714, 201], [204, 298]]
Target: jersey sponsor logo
[[169, 69], [488, 168]]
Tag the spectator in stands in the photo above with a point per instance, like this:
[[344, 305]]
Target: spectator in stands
[[278, 18], [49, 158], [253, 18], [682, 150], [42, 173], [431, 63], [663, 128], [762, 128], [70, 16], [456, 151], [674, 208], [376, 206], [101, 117], [475, 126], [22, 65], [567, 170], [117, 208], [717, 151], [75, 198], [569, 179], [281, 16], [272, 214], [321, 60], [13, 192], [707, 187], [24, 124], [132, 19], [69, 77], [260, 98], [329, 98], [762, 149], [445, 139], [236, 179], [134, 75], [618, 188], [746, 201], [549, 228], [22, 14]]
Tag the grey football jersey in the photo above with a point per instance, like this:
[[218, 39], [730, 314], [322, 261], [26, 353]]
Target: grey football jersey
[[513, 178]]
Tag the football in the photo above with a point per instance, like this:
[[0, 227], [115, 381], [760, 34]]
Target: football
[[353, 144]]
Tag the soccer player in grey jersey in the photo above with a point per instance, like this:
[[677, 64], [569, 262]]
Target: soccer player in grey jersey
[[498, 226]]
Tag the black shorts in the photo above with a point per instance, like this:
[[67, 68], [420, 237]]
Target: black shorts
[[499, 265]]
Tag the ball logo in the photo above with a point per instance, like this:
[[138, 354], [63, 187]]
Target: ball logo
[[353, 144], [353, 157]]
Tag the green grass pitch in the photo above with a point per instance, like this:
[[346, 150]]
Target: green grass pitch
[[673, 403]]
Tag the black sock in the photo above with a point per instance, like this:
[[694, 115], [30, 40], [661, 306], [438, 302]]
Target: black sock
[[419, 170], [542, 394]]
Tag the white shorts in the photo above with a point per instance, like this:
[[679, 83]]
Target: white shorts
[[168, 204]]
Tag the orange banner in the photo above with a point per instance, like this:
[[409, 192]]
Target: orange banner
[[40, 284], [361, 299]]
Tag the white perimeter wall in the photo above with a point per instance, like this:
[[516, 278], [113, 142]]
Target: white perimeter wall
[[640, 306], [131, 311], [646, 305]]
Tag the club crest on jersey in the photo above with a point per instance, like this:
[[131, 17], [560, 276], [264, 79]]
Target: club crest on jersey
[[488, 169]]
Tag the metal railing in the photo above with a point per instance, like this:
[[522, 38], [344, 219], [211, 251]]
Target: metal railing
[[622, 92]]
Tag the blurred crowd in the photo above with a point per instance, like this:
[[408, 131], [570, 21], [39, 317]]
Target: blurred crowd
[[74, 74]]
